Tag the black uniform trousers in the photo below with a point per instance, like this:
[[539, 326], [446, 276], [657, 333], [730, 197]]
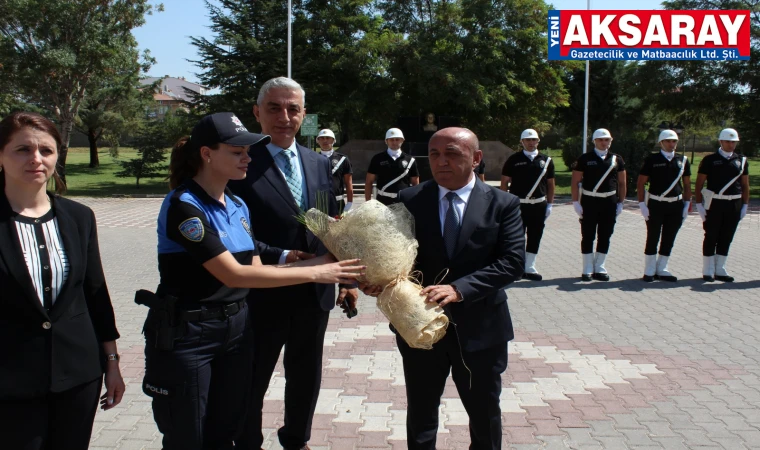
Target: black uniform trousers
[[720, 226], [59, 420], [665, 219], [598, 222], [200, 388], [534, 219], [477, 376], [301, 330]]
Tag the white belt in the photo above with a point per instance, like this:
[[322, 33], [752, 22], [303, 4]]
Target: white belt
[[339, 198], [598, 194], [533, 201], [387, 194], [665, 199], [726, 197]]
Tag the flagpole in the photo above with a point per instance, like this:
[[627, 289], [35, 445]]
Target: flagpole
[[290, 35], [585, 101]]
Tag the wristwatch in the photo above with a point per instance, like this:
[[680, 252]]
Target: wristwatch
[[112, 357]]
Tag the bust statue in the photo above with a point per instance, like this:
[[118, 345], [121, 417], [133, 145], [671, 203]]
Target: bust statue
[[430, 123]]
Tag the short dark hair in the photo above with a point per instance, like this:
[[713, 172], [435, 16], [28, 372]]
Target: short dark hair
[[21, 120]]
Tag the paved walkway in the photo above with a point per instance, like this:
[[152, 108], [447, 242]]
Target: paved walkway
[[614, 365]]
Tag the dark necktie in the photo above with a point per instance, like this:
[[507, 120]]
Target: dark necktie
[[451, 225], [292, 176]]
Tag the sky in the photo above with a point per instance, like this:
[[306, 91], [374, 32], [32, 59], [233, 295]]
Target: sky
[[167, 34]]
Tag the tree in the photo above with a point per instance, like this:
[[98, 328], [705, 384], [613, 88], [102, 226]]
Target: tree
[[484, 61], [151, 144], [56, 50], [708, 93]]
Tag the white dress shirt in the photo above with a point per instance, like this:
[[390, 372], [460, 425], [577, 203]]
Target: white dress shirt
[[395, 154], [459, 203], [668, 156], [725, 154], [531, 155], [601, 154]]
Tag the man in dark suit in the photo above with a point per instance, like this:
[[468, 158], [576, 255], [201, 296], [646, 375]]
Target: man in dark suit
[[284, 179], [472, 233]]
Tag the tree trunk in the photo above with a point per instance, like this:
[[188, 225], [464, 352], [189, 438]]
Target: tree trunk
[[93, 139], [67, 124]]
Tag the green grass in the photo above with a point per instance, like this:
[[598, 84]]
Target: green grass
[[83, 181], [563, 175]]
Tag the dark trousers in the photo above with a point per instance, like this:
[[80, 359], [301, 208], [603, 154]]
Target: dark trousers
[[598, 223], [533, 217], [720, 226], [57, 421], [665, 219], [200, 388], [301, 330], [479, 388]]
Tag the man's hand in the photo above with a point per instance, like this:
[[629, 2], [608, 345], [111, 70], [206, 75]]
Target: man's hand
[[372, 290], [443, 294], [347, 298], [297, 255]]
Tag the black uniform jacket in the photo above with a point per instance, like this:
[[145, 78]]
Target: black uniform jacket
[[490, 254], [40, 351], [273, 220]]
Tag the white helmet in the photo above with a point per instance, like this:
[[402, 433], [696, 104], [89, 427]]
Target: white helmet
[[728, 134], [326, 133], [394, 133], [667, 134], [530, 133], [602, 133]]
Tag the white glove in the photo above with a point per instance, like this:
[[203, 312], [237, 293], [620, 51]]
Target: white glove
[[643, 208], [620, 209], [548, 210], [744, 211], [701, 211], [578, 209], [347, 207], [686, 209]]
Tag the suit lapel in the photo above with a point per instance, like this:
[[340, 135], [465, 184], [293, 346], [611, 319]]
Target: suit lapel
[[70, 235], [472, 214], [310, 165], [12, 255], [263, 159]]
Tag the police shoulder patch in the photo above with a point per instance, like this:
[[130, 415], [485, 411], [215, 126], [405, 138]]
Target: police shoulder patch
[[542, 164], [192, 229], [404, 163], [245, 225]]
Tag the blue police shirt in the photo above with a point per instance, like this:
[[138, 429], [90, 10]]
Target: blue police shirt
[[194, 228]]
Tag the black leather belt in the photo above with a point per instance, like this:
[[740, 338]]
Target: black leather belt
[[212, 312]]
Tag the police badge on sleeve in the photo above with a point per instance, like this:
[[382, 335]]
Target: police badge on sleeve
[[245, 225], [192, 229], [542, 164], [680, 163], [737, 163], [404, 163]]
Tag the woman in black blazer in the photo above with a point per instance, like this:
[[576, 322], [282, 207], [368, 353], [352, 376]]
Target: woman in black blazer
[[57, 328]]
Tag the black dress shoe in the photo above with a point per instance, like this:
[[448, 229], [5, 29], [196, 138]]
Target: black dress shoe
[[585, 277], [648, 278], [670, 278], [533, 276], [601, 276], [724, 278], [708, 278]]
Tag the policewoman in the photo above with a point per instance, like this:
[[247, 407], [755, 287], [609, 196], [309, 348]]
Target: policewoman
[[665, 205], [198, 350], [529, 175], [598, 188], [722, 203], [392, 169], [342, 173]]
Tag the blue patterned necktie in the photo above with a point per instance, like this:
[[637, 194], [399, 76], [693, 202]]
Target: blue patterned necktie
[[293, 177], [451, 225]]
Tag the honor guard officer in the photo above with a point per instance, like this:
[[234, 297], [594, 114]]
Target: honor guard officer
[[530, 176], [598, 188], [342, 174], [198, 348], [392, 169], [725, 203], [665, 205]]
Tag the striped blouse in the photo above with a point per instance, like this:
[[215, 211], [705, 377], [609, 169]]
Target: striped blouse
[[44, 255]]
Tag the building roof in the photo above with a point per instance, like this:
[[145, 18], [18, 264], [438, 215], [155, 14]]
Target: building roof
[[177, 88]]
